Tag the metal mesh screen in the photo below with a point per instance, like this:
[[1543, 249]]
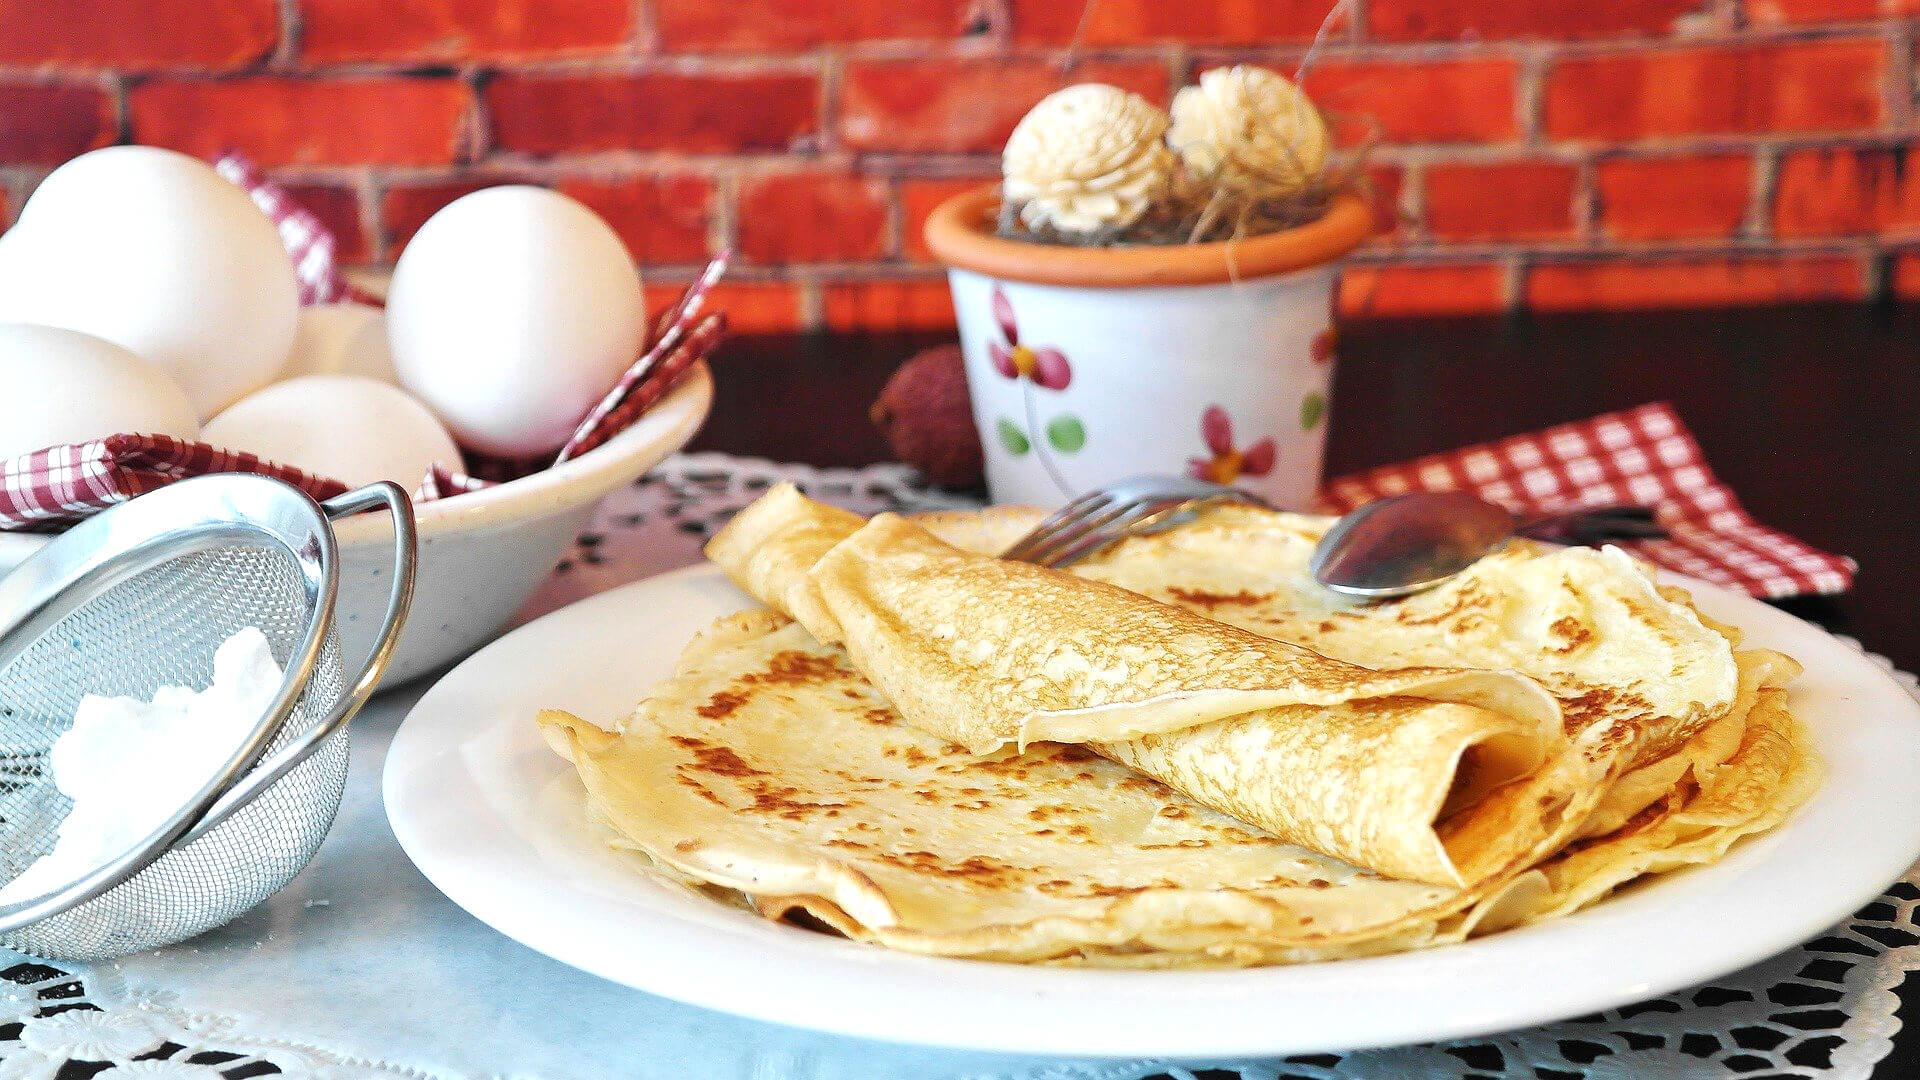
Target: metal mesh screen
[[159, 628]]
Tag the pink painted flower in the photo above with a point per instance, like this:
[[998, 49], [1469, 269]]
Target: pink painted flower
[[1323, 345], [1046, 367], [1228, 463]]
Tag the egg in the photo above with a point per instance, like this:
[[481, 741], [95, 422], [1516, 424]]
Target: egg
[[67, 387], [154, 251], [351, 428], [511, 313], [340, 339]]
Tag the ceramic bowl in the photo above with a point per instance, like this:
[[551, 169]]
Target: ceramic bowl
[[482, 554]]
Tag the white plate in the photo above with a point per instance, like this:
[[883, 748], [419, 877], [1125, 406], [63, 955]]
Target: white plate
[[496, 821]]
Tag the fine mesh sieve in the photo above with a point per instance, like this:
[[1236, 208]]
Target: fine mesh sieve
[[140, 597]]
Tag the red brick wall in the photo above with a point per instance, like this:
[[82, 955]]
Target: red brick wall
[[1546, 153]]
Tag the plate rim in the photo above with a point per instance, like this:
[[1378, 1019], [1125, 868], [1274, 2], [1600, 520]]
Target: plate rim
[[885, 970]]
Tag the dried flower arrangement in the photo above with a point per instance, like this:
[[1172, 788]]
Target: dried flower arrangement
[[1245, 152]]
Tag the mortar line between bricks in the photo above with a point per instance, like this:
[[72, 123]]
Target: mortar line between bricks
[[1180, 68], [645, 38], [1513, 282], [1357, 48], [506, 171], [794, 274], [1413, 195], [1530, 94], [626, 162], [1666, 250], [832, 89], [896, 238], [115, 87], [1864, 30], [285, 55], [723, 230], [1877, 266], [812, 301], [1503, 153], [1758, 225], [862, 270], [477, 137], [1900, 74], [1374, 50], [371, 215], [1586, 215], [613, 65]]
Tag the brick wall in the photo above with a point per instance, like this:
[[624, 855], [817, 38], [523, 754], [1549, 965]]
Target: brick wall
[[1546, 153]]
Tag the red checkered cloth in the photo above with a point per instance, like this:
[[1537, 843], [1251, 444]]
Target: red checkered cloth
[[63, 484], [683, 338], [1644, 456]]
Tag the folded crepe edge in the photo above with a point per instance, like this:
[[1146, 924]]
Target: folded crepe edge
[[771, 547], [777, 547], [777, 881]]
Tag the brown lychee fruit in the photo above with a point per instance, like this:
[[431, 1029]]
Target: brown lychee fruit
[[926, 416]]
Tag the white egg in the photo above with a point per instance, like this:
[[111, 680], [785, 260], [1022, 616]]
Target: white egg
[[511, 313], [353, 429], [155, 251], [69, 387], [341, 339]]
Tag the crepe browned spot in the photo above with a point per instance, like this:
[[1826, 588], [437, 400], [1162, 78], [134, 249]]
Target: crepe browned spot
[[1619, 651], [766, 765], [1772, 771], [1353, 762], [769, 772], [1591, 626]]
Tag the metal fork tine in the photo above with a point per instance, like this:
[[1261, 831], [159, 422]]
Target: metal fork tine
[[1121, 509], [1111, 531], [1042, 532], [1047, 552]]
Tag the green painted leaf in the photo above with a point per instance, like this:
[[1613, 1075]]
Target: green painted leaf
[[1066, 433], [1313, 409], [1012, 437]]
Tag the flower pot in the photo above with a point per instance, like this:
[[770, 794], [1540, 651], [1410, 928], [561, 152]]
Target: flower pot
[[1087, 365]]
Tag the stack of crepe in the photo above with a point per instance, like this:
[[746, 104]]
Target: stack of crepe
[[1183, 753]]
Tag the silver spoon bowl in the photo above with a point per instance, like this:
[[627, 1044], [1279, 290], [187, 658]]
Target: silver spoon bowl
[[1410, 543]]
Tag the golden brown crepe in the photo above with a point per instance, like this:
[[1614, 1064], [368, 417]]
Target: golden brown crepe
[[985, 653], [1589, 625], [1619, 651], [771, 769], [767, 765]]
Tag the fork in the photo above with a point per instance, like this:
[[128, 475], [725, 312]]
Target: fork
[[1109, 514]]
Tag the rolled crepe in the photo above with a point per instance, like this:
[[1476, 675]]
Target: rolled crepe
[[1358, 764]]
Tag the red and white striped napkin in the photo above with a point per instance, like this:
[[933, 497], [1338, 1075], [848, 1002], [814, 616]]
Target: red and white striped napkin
[[59, 485], [62, 484], [1643, 455]]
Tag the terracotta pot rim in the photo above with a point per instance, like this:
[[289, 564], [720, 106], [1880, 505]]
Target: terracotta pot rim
[[961, 231]]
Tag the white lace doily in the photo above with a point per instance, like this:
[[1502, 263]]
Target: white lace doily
[[361, 969]]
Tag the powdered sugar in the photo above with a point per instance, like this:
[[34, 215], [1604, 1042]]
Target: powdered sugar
[[128, 765]]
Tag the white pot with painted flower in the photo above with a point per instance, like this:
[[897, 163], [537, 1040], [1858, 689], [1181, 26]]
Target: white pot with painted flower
[[1090, 358]]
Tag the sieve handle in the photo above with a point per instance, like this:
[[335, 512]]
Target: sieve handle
[[406, 554]]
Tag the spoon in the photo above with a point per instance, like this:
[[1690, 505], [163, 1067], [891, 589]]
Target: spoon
[[1409, 543]]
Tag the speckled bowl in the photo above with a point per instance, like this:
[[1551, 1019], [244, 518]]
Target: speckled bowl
[[482, 554]]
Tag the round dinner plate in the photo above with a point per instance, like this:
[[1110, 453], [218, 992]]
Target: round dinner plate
[[498, 823]]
